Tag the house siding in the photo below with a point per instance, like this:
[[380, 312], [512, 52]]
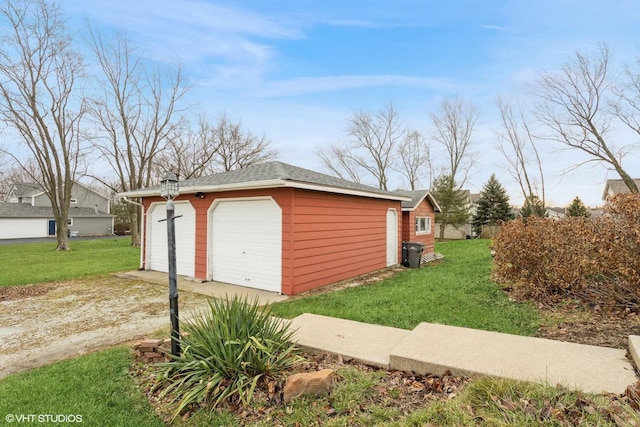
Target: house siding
[[92, 226], [424, 209], [325, 237], [337, 237]]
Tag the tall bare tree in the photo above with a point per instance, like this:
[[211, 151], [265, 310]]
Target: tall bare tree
[[518, 146], [627, 107], [415, 160], [237, 148], [454, 125], [39, 72], [190, 153], [573, 105], [135, 109], [372, 149]]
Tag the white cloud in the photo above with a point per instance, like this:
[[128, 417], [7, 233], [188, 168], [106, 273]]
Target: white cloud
[[309, 85]]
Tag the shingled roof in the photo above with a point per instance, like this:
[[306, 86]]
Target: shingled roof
[[25, 210], [270, 175], [26, 189], [417, 196]]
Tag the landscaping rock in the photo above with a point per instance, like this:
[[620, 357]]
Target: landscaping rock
[[313, 383]]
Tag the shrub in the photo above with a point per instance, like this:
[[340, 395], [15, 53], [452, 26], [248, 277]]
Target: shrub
[[595, 260], [227, 351]]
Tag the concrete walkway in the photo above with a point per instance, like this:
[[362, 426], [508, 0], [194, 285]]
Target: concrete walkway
[[212, 289], [433, 348]]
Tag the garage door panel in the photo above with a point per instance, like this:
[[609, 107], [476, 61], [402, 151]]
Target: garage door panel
[[246, 243], [185, 239]]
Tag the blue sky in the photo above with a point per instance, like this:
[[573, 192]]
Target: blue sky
[[297, 70]]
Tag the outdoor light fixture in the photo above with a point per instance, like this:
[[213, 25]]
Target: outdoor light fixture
[[169, 189], [199, 195]]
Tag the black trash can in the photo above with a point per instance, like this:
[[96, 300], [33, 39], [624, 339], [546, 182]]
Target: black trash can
[[405, 255], [412, 254]]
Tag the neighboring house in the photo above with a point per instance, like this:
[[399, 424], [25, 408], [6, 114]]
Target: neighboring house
[[463, 231], [275, 227], [27, 213], [418, 218], [556, 213], [615, 186]]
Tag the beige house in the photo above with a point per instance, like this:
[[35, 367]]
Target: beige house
[[463, 231], [615, 186]]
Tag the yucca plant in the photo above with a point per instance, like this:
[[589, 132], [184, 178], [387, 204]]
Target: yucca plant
[[227, 350]]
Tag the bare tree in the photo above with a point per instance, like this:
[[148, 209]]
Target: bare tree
[[190, 153], [372, 148], [338, 161], [518, 146], [134, 109], [454, 126], [39, 71], [414, 153], [573, 106], [627, 108], [237, 148], [27, 171]]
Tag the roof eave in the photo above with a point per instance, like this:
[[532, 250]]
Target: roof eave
[[274, 183], [192, 189], [434, 203]]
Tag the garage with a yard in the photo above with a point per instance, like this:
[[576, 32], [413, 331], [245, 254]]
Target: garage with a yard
[[275, 227]]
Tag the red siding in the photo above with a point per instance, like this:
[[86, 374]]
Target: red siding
[[337, 237], [325, 237], [409, 225]]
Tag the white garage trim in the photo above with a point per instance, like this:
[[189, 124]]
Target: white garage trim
[[245, 242], [392, 237], [157, 253]]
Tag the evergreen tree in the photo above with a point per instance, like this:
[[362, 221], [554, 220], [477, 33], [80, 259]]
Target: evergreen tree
[[454, 209], [493, 206], [533, 206], [577, 208]]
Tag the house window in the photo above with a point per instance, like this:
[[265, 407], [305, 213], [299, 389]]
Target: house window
[[74, 201], [69, 222], [423, 225]]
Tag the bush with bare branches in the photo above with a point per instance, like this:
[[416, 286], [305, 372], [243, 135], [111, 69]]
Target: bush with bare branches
[[594, 260]]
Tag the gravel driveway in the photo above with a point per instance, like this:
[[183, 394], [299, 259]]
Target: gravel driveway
[[45, 323]]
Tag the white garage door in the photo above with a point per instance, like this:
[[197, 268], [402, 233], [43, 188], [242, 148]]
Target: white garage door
[[158, 258], [246, 243]]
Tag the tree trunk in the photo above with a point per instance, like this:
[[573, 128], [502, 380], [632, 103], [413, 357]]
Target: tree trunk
[[135, 225]]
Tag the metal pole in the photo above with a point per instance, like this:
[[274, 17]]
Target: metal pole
[[173, 283]]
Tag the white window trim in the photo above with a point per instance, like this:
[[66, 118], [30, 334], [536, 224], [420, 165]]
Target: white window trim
[[70, 222], [427, 221]]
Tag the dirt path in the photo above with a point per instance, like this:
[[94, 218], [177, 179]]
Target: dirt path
[[44, 323]]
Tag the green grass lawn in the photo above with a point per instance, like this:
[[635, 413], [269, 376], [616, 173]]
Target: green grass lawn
[[96, 387], [457, 291], [39, 262]]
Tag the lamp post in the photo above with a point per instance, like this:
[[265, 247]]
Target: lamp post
[[169, 189]]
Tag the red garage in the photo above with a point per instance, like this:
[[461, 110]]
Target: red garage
[[274, 227]]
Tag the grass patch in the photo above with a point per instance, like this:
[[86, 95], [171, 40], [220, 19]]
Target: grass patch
[[456, 291], [39, 262], [97, 387], [363, 398], [503, 402]]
